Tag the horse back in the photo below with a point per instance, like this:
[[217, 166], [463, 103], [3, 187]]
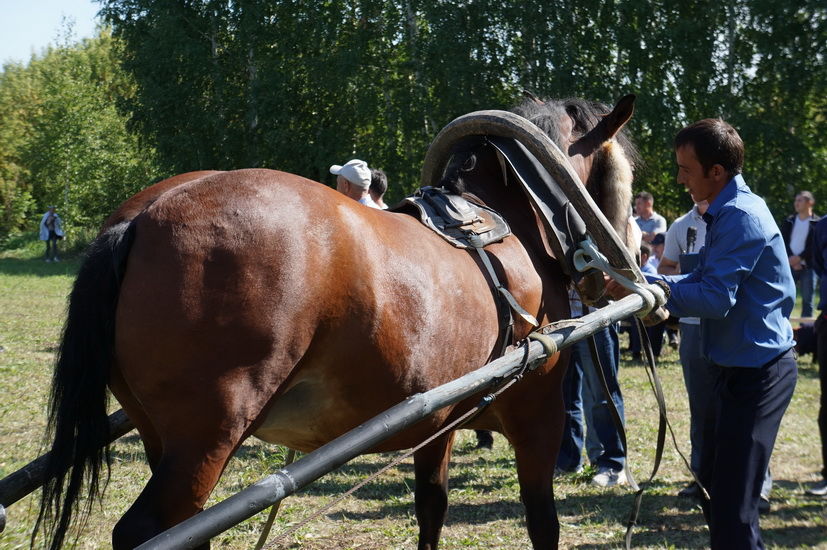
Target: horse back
[[279, 294]]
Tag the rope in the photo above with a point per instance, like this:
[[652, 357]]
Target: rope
[[663, 426], [549, 345]]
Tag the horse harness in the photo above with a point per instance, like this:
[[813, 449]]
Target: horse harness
[[470, 226]]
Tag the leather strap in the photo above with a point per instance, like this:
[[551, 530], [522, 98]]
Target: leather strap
[[663, 425]]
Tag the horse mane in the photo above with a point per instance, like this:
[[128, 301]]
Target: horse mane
[[586, 114], [461, 162]]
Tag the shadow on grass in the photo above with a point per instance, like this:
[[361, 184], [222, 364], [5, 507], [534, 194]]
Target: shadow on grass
[[663, 522], [807, 369], [38, 267]]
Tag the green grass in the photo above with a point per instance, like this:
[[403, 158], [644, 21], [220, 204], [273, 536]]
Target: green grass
[[485, 510]]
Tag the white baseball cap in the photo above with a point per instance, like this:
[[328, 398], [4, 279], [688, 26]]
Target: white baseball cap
[[355, 171]]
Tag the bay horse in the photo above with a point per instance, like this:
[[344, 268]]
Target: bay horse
[[221, 305]]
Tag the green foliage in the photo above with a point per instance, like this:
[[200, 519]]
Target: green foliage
[[69, 144], [16, 106], [299, 86]]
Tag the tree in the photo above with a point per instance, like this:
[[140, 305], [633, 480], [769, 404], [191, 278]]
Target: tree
[[300, 86], [68, 145]]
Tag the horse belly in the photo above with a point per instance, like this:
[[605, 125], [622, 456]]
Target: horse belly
[[303, 417]]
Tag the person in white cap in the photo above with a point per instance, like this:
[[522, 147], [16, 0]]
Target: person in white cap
[[353, 180]]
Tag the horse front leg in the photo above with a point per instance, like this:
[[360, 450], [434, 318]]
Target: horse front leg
[[535, 470], [431, 491], [535, 433]]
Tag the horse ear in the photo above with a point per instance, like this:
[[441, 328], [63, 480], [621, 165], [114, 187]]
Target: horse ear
[[622, 113], [533, 97], [606, 129]]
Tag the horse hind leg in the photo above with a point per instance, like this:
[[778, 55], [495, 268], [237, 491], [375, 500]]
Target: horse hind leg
[[132, 407], [182, 480], [535, 469], [431, 490]]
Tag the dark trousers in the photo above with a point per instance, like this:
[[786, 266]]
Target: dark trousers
[[821, 347], [51, 246], [743, 425]]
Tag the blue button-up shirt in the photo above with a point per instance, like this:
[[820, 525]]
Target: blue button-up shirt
[[743, 288]]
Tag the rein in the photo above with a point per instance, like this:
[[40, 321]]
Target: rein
[[663, 424]]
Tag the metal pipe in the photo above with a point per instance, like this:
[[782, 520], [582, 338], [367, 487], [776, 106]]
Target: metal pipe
[[248, 502], [30, 477]]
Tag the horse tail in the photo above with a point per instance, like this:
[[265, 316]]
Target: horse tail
[[77, 421]]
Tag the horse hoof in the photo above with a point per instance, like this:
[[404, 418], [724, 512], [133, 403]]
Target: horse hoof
[[2, 518]]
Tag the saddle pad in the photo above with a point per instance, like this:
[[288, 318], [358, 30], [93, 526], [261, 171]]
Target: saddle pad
[[459, 221]]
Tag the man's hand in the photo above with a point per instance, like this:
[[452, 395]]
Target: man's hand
[[615, 289], [668, 267], [795, 263]]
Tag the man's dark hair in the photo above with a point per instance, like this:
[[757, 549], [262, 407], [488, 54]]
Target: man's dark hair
[[715, 142], [378, 181], [645, 195]]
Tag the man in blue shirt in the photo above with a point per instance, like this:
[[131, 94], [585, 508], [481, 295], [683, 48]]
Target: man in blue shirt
[[820, 265], [743, 292]]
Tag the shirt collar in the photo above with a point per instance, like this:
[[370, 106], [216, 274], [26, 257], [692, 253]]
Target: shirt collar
[[727, 194]]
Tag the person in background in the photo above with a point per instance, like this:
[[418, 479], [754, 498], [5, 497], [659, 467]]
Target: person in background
[[51, 231], [670, 332], [820, 264], [378, 187], [654, 332], [353, 180], [650, 222], [583, 397], [798, 232], [657, 250], [742, 285], [684, 240], [645, 256]]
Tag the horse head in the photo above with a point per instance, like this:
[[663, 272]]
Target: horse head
[[599, 150], [589, 138]]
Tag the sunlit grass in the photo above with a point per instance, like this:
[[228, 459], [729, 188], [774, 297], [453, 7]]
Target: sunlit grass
[[485, 507]]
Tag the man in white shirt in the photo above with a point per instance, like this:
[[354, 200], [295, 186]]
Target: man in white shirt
[[353, 180], [378, 187], [798, 232], [650, 222]]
